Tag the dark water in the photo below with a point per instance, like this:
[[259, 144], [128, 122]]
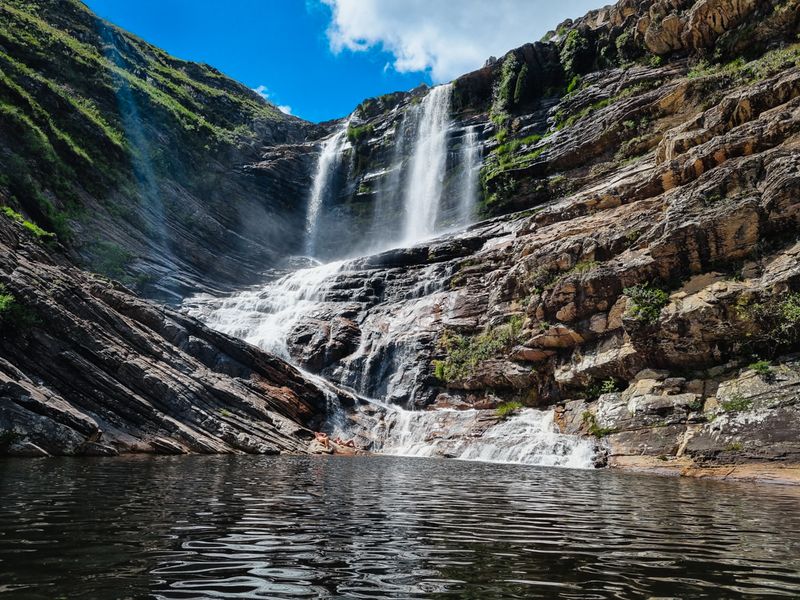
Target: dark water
[[380, 527]]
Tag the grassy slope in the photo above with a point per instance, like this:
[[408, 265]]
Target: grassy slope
[[87, 110]]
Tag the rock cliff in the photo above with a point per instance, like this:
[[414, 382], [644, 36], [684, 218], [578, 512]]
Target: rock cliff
[[86, 367], [636, 268], [645, 279]]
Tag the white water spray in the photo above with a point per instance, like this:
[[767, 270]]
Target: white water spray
[[266, 316], [329, 159], [471, 165], [528, 438], [423, 189]]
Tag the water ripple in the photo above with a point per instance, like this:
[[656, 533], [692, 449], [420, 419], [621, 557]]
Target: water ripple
[[383, 527]]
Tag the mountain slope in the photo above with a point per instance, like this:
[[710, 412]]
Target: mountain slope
[[134, 159]]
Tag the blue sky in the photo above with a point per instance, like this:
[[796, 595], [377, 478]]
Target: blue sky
[[320, 58]]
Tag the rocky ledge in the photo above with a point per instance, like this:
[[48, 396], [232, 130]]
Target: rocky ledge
[[88, 368]]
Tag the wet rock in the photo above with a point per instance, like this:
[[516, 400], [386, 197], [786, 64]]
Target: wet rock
[[92, 369]]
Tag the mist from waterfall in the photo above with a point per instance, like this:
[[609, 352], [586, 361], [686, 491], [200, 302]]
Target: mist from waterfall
[[329, 159], [423, 189]]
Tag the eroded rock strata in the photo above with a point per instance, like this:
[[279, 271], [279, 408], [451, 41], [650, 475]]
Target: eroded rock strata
[[649, 290], [636, 268], [86, 367]]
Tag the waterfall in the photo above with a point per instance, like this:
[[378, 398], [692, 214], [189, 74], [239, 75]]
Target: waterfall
[[278, 314], [471, 165], [328, 161], [266, 316], [529, 438], [424, 184]]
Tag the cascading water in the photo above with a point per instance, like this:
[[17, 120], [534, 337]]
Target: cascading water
[[269, 316], [471, 166], [264, 317], [329, 159], [529, 437], [424, 184]]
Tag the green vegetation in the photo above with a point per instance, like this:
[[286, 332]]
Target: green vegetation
[[520, 88], [740, 71], [503, 97], [695, 405], [734, 447], [357, 133], [776, 319], [762, 368], [736, 403], [646, 302], [504, 189], [464, 353], [109, 259], [29, 225], [562, 120], [507, 409], [6, 301], [91, 110], [14, 316], [590, 421], [516, 143], [545, 278], [575, 53], [607, 386], [574, 84]]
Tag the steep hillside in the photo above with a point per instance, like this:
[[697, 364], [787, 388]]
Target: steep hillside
[[86, 367], [137, 161]]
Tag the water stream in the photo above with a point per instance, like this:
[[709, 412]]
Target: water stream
[[423, 190], [471, 166], [329, 159], [269, 315]]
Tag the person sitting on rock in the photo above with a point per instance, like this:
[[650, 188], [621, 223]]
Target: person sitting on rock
[[322, 438], [348, 443]]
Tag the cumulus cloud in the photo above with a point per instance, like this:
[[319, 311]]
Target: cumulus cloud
[[262, 91], [446, 38]]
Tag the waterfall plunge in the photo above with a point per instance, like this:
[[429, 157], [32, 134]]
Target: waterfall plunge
[[471, 166], [329, 159], [267, 316], [424, 185]]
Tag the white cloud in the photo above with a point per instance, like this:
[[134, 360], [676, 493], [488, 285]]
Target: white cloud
[[264, 92], [448, 38]]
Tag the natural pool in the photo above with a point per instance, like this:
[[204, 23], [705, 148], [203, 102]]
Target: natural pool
[[385, 527]]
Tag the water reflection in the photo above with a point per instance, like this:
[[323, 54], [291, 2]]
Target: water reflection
[[383, 527]]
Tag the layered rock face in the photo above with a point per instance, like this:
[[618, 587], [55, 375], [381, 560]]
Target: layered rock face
[[637, 269], [650, 288], [86, 367]]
